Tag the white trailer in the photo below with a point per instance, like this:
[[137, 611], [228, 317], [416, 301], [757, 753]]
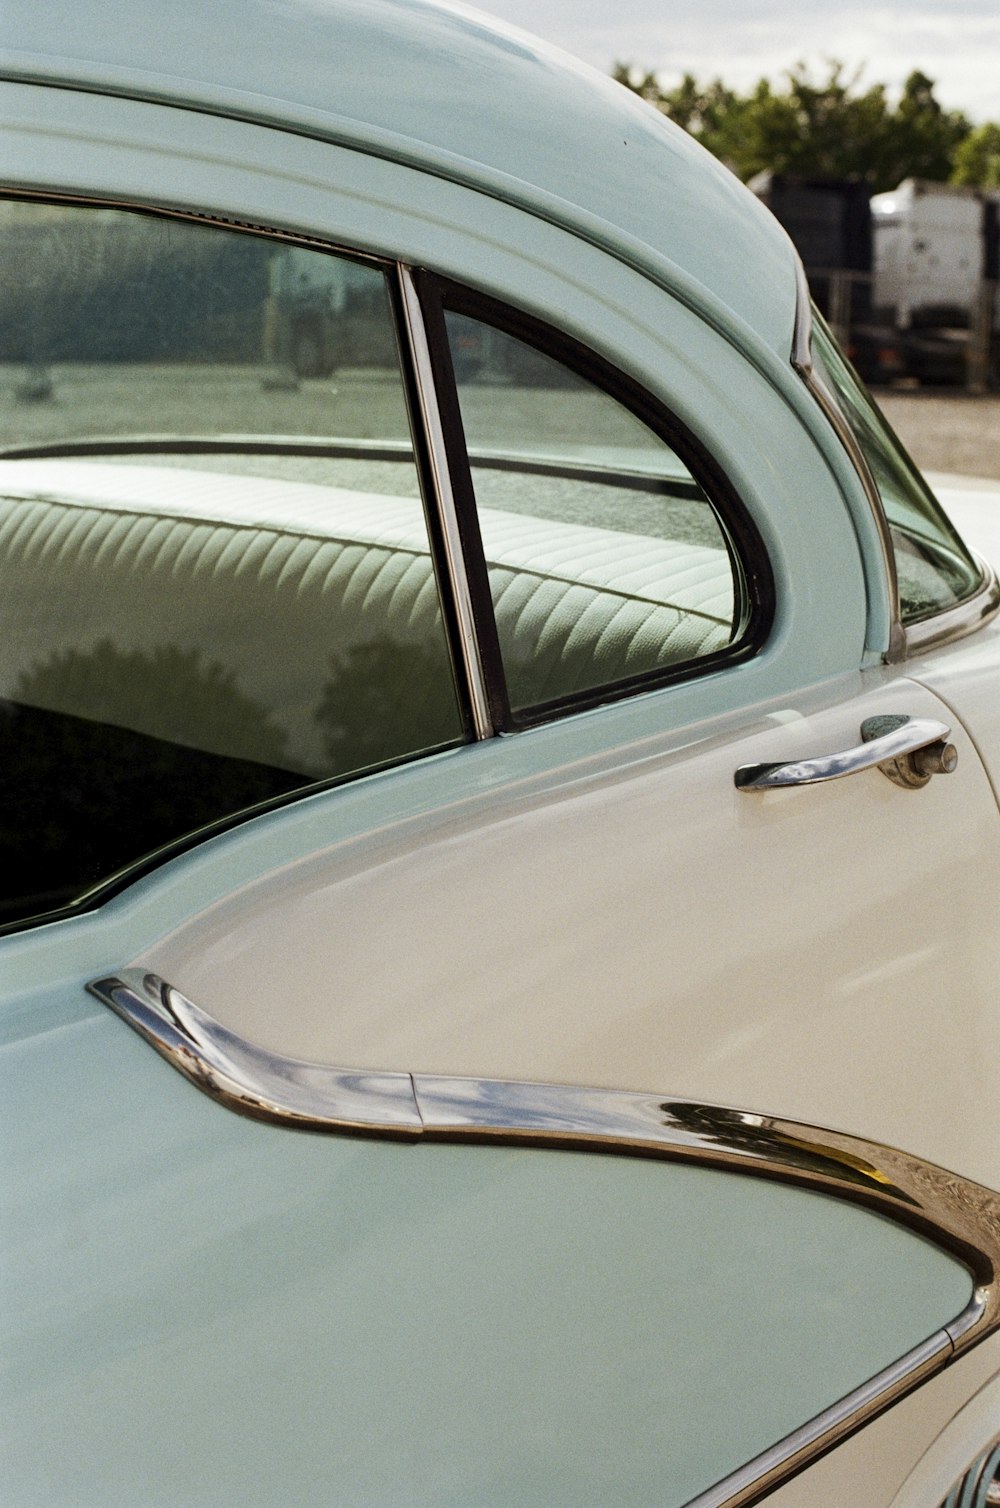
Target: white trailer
[[934, 268], [930, 252]]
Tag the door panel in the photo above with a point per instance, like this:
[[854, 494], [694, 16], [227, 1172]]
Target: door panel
[[829, 951], [202, 1309]]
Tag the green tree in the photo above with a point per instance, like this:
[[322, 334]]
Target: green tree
[[825, 128], [922, 137], [977, 159]]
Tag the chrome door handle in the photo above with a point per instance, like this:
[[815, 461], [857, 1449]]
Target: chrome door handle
[[907, 750]]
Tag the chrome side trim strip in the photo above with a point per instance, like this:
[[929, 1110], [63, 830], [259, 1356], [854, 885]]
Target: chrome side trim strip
[[974, 1314], [782, 1460], [250, 1079], [430, 418], [958, 1214], [961, 1216]]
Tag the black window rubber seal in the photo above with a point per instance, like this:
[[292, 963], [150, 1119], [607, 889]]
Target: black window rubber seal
[[749, 562]]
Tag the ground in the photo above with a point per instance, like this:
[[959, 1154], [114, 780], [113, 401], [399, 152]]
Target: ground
[[948, 432]]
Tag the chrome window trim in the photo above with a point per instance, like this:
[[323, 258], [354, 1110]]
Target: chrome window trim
[[897, 646], [433, 431], [802, 330], [803, 363], [943, 627], [335, 447], [955, 622], [167, 443], [959, 1215]]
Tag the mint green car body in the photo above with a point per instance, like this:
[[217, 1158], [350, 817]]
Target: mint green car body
[[200, 1308]]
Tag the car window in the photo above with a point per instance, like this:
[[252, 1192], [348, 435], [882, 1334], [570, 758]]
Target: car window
[[607, 562], [216, 582], [934, 568]]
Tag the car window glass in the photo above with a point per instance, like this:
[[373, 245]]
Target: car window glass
[[215, 578], [934, 568], [606, 559]]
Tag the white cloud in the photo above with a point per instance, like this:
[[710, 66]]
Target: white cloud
[[955, 42]]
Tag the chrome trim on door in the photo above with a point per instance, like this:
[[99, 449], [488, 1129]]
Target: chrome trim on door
[[746, 1485], [961, 1216], [250, 1079], [908, 738], [430, 418]]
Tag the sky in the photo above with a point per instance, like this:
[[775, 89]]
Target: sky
[[955, 42]]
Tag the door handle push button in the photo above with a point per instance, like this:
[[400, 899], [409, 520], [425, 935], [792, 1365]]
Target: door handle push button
[[915, 769]]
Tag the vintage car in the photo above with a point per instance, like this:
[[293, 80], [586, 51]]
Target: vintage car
[[529, 780]]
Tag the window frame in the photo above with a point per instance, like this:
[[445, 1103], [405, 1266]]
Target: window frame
[[753, 579], [751, 568], [111, 885], [949, 623]]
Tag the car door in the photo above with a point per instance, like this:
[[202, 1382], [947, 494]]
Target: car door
[[608, 903], [635, 916], [205, 1308]]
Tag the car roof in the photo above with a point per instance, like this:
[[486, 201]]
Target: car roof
[[441, 86]]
